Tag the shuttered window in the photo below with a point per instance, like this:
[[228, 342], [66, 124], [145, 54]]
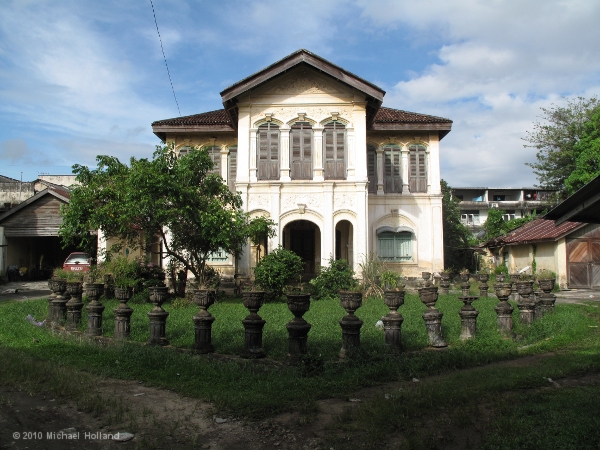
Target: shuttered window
[[372, 168], [184, 150], [334, 140], [268, 151], [418, 168], [395, 247], [392, 169], [232, 169], [301, 137], [214, 152]]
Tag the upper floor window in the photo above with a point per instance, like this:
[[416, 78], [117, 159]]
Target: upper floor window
[[301, 137], [214, 153], [184, 151], [232, 167], [335, 151], [392, 169], [417, 177], [268, 151], [372, 168]]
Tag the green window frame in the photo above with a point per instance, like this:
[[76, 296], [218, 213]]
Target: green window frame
[[395, 247]]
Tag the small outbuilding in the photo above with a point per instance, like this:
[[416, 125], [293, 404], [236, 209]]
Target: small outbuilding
[[29, 234]]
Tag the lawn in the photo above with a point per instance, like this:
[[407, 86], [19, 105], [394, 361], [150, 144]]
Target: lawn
[[256, 388]]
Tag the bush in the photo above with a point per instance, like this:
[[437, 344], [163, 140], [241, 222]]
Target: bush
[[336, 277], [278, 268]]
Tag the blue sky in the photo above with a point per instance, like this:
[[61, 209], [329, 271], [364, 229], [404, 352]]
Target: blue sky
[[80, 78]]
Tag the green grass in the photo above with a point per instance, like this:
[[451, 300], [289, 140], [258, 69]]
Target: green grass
[[256, 389]]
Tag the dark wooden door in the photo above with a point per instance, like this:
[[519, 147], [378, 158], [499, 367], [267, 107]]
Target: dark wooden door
[[583, 260], [303, 244]]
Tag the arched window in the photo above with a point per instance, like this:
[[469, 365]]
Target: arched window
[[372, 168], [394, 247], [214, 153], [392, 169], [418, 168], [335, 151], [232, 169], [268, 151], [301, 137]]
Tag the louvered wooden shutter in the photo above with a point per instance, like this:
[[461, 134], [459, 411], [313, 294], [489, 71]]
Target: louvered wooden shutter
[[392, 169], [418, 169], [268, 152], [214, 153], [232, 172], [335, 150], [372, 168], [301, 152]]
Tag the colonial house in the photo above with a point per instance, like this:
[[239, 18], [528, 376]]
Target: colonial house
[[310, 145]]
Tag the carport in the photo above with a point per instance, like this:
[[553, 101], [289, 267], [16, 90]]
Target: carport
[[29, 234]]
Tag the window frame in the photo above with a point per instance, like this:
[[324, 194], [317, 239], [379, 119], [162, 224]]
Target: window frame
[[301, 166], [417, 168], [268, 137], [392, 181], [335, 167], [401, 241]]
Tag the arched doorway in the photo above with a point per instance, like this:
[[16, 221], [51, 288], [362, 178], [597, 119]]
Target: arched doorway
[[344, 241], [304, 238]]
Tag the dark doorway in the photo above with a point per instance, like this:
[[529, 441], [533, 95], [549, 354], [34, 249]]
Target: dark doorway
[[302, 237]]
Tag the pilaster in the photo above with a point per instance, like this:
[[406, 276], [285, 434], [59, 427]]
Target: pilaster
[[318, 154], [405, 187], [380, 170], [284, 156]]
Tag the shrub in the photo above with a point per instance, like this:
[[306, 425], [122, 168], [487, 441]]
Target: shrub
[[278, 268], [332, 279]]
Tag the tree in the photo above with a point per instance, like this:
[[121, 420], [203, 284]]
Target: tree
[[456, 235], [587, 154], [555, 137], [177, 200], [495, 225]]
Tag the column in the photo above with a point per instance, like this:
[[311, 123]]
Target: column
[[328, 231], [253, 178], [224, 167], [318, 154], [405, 160], [284, 156], [433, 165], [243, 156], [350, 155]]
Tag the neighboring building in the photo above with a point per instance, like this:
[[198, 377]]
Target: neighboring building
[[583, 205], [309, 145], [571, 250], [29, 233], [13, 192], [475, 202]]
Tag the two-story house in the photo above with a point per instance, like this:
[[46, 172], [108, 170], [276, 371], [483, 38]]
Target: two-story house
[[475, 202], [309, 145]]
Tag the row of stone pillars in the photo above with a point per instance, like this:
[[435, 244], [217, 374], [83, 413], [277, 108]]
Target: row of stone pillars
[[65, 307], [61, 309]]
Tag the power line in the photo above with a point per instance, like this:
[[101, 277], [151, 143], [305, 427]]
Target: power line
[[165, 58]]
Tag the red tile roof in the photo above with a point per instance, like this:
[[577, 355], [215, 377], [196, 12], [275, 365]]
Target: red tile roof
[[220, 117], [389, 115], [539, 230]]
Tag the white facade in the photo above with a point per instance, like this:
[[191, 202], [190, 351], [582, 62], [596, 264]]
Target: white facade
[[302, 143]]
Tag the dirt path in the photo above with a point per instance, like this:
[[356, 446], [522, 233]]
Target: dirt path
[[159, 418]]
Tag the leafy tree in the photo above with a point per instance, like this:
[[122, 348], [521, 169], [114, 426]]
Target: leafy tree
[[587, 153], [177, 200], [456, 235], [277, 269], [495, 225], [555, 137]]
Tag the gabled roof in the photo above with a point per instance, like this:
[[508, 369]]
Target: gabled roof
[[302, 57], [536, 231], [4, 179], [60, 194], [583, 205]]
